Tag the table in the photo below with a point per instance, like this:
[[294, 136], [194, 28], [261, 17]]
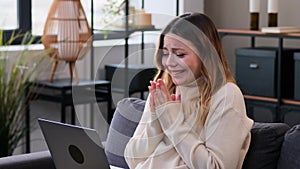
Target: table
[[69, 93]]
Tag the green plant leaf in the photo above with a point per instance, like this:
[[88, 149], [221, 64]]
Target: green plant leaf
[[16, 87]]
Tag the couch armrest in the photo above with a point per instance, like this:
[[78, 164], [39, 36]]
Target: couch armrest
[[36, 160]]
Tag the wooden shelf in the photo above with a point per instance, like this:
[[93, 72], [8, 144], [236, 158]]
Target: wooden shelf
[[247, 32], [268, 99], [240, 31], [260, 98], [293, 102]]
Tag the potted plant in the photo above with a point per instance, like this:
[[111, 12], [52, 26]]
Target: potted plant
[[16, 74]]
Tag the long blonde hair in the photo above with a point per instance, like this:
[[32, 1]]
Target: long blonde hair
[[198, 29]]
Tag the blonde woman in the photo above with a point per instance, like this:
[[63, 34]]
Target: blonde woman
[[195, 114]]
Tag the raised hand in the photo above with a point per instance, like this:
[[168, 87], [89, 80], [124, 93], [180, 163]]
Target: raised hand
[[159, 94]]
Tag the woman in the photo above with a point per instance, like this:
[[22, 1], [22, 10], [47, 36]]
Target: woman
[[195, 114]]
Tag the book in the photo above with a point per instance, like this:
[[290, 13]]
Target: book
[[280, 29]]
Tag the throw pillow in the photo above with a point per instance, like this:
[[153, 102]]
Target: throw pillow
[[290, 150], [124, 122], [265, 146]]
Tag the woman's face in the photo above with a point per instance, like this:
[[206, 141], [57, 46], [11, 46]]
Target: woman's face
[[180, 60]]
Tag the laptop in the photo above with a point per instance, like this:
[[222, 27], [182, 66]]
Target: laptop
[[74, 147]]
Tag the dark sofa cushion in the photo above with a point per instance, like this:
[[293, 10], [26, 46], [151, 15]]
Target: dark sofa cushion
[[290, 150], [36, 160], [265, 146], [125, 120]]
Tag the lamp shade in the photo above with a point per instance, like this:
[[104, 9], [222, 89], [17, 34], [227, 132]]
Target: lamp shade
[[66, 32]]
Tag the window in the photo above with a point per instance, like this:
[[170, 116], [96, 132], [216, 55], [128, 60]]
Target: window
[[30, 15], [8, 19], [39, 14], [17, 17], [41, 8]]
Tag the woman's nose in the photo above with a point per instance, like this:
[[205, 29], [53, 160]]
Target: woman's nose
[[171, 61]]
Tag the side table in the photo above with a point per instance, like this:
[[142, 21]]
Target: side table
[[63, 90]]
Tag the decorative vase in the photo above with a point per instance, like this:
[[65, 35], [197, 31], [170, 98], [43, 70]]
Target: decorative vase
[[67, 32]]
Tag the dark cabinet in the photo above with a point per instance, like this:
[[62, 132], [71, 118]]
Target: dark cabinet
[[297, 76], [256, 71]]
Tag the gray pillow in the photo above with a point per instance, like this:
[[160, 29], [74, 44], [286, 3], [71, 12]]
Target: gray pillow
[[290, 150], [125, 120], [265, 146]]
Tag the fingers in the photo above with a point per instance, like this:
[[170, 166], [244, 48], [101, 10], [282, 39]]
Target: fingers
[[163, 85], [152, 86], [159, 94], [178, 97], [152, 106], [151, 92], [164, 88], [173, 97]]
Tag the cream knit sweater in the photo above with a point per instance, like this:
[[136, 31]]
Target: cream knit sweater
[[170, 138]]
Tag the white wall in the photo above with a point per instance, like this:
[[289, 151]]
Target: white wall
[[192, 6], [163, 11]]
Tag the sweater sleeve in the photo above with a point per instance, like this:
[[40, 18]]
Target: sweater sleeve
[[146, 138], [225, 137]]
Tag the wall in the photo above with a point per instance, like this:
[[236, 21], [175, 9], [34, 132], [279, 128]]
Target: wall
[[234, 13], [166, 9]]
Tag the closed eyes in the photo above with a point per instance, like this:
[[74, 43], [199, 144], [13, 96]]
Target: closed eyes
[[178, 54]]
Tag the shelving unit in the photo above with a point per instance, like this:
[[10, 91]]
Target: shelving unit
[[279, 101], [123, 34]]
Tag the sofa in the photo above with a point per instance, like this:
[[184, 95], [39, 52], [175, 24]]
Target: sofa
[[273, 145], [36, 160]]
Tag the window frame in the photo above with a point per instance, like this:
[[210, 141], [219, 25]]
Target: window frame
[[24, 16], [24, 22]]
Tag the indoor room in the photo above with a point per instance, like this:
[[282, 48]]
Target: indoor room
[[149, 84]]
